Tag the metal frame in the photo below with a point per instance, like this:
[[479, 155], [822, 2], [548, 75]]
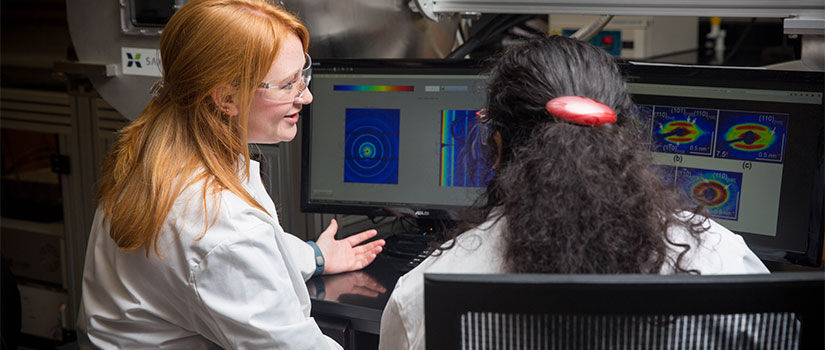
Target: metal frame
[[128, 28], [702, 8], [805, 17]]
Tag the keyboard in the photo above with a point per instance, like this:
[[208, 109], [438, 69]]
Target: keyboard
[[408, 249]]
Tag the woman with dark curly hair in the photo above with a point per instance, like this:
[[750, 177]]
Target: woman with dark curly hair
[[567, 196]]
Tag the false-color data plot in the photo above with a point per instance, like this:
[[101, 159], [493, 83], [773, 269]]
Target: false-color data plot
[[683, 130], [371, 145], [462, 162], [718, 191], [666, 173], [751, 136]]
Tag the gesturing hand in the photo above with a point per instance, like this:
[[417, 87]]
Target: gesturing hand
[[346, 254]]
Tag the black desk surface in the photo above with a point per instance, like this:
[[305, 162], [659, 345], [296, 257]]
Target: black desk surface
[[357, 296]]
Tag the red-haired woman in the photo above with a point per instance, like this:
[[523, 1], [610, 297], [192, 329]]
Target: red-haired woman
[[186, 250]]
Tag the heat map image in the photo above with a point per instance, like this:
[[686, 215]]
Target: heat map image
[[461, 159], [371, 145], [751, 136], [718, 191], [683, 130]]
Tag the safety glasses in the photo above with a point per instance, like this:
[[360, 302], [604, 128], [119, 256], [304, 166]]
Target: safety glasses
[[289, 92]]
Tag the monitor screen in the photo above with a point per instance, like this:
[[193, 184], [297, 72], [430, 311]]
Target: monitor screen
[[386, 137], [747, 144], [391, 137]]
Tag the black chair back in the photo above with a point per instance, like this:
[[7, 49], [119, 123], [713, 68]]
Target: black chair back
[[544, 311]]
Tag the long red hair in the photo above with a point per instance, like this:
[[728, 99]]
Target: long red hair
[[184, 138]]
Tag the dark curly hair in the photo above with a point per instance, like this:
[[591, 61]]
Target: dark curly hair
[[577, 199]]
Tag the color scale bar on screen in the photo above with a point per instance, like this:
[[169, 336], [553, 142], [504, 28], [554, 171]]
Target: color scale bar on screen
[[374, 88]]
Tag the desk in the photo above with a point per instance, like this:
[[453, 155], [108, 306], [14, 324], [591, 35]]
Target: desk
[[348, 306]]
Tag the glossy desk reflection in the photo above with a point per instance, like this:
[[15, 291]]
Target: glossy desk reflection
[[357, 296]]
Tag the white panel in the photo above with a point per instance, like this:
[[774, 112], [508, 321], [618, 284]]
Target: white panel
[[42, 311]]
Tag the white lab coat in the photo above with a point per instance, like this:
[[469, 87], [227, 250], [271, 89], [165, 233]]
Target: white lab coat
[[239, 286], [480, 251]]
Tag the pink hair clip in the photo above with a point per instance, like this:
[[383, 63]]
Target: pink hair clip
[[581, 110]]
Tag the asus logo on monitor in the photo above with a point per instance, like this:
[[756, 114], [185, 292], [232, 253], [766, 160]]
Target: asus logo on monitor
[[420, 213]]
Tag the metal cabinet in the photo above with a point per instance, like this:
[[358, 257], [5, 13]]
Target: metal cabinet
[[52, 145]]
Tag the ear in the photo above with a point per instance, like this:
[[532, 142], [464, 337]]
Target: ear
[[224, 98]]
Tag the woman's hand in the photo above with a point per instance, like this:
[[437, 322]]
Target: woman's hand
[[346, 254]]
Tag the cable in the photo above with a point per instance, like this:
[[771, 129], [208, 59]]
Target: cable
[[738, 42], [588, 32], [474, 41], [463, 29], [496, 26]]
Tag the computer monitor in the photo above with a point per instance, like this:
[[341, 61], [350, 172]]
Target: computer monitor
[[392, 138], [747, 144], [387, 137]]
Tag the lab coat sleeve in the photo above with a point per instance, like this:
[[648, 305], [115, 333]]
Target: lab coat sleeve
[[246, 297], [303, 255]]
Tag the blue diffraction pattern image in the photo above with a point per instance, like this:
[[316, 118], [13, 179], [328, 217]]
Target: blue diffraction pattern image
[[718, 191], [751, 136], [684, 130], [462, 161], [371, 145]]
